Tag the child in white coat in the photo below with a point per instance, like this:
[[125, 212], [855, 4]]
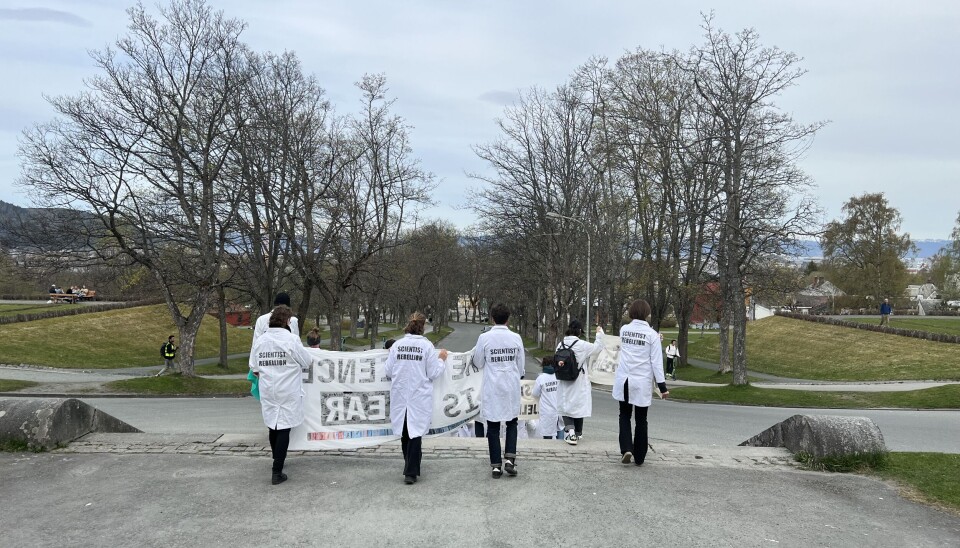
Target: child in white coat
[[545, 388]]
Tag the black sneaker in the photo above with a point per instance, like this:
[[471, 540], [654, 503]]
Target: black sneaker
[[510, 468], [497, 472], [278, 479], [409, 480]]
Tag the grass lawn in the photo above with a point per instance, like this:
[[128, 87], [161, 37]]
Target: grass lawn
[[941, 397], [950, 326], [13, 386], [381, 336], [234, 366], [172, 385], [103, 340], [807, 350], [698, 374], [14, 309], [934, 476]]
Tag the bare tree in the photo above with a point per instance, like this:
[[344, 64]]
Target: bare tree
[[540, 166], [144, 149], [764, 206], [355, 201]]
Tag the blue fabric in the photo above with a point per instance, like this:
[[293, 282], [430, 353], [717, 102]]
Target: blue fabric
[[254, 385]]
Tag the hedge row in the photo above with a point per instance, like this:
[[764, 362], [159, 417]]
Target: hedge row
[[916, 334], [74, 310]]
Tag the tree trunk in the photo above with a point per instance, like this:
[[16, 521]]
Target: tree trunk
[[222, 316], [725, 365], [739, 350], [335, 331]]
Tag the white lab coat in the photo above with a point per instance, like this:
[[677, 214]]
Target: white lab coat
[[279, 357], [641, 362], [545, 388], [412, 366], [499, 352], [574, 398], [672, 351], [263, 323]]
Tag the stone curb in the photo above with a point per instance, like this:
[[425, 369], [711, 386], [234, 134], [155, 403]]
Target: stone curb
[[440, 448]]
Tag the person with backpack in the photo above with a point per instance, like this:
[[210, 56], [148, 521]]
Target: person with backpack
[[499, 353], [641, 361], [168, 352], [545, 388], [574, 398]]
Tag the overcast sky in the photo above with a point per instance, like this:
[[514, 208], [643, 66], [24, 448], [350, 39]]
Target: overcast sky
[[883, 73]]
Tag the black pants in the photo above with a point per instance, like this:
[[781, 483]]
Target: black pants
[[637, 444], [576, 424], [478, 429], [669, 366], [412, 451], [493, 441], [279, 442]]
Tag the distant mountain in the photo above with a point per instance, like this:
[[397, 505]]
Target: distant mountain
[[925, 248], [57, 228]]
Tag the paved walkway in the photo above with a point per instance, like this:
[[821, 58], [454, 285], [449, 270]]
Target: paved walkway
[[155, 492]]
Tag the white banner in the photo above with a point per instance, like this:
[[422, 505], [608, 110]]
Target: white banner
[[347, 400], [603, 367]]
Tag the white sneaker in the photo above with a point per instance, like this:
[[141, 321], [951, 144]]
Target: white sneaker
[[625, 459], [571, 438]]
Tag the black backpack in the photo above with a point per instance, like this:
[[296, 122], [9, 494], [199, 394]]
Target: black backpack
[[566, 366]]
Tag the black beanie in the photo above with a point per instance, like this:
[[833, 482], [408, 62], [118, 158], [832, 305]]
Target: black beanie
[[282, 298]]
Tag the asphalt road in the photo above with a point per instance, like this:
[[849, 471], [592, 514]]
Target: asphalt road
[[688, 423]]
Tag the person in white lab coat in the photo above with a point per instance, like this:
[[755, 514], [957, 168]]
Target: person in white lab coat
[[672, 354], [574, 398], [545, 388], [641, 361], [263, 322], [412, 366], [277, 358], [499, 352]]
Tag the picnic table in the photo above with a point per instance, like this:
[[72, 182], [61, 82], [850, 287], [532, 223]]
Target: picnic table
[[64, 297]]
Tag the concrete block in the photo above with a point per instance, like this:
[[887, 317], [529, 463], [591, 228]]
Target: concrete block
[[49, 423], [822, 436]]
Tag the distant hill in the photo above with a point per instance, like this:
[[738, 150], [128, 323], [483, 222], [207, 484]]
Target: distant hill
[[925, 248], [25, 226]]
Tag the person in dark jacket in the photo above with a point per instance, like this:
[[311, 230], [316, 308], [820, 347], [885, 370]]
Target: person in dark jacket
[[168, 351]]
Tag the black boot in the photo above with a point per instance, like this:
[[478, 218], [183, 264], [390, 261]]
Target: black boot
[[278, 478]]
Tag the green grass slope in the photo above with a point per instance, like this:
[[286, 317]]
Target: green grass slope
[[105, 340], [808, 350]]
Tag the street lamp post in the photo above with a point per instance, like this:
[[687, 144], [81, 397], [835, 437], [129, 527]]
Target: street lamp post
[[555, 215]]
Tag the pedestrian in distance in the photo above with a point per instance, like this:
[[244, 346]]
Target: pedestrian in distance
[[263, 322], [641, 362], [168, 351], [499, 353], [672, 354], [885, 311], [412, 366], [313, 338], [574, 397], [278, 358], [545, 388]]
